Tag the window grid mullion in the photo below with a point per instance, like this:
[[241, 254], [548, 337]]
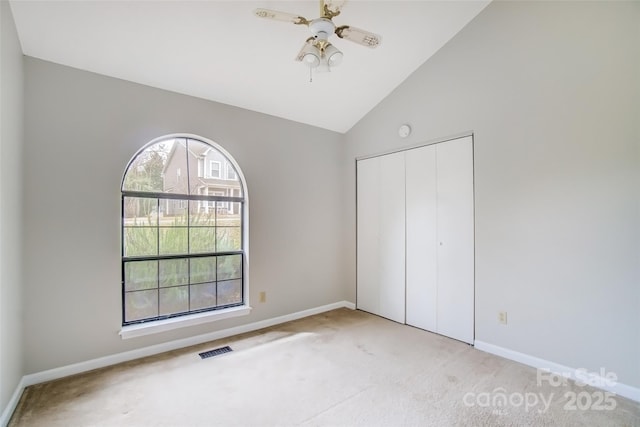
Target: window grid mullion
[[186, 144], [174, 196], [158, 253]]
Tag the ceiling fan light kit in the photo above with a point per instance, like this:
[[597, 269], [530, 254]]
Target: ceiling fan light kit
[[333, 55], [321, 55], [317, 52], [311, 56]]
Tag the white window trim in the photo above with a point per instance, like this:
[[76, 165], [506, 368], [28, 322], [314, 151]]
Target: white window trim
[[211, 162], [156, 326]]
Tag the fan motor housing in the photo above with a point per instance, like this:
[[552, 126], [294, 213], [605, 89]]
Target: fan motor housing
[[322, 28]]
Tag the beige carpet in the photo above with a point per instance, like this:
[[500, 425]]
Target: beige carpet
[[342, 368]]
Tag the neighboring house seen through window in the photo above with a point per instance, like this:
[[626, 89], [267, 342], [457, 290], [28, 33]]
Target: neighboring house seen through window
[[182, 233], [231, 173], [215, 169]]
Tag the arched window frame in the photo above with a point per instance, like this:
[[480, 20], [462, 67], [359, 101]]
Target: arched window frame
[[165, 323]]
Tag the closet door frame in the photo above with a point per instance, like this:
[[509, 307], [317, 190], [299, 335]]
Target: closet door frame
[[404, 149]]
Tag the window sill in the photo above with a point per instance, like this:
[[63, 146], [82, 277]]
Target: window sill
[[132, 331]]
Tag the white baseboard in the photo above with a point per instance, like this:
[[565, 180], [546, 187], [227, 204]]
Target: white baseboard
[[13, 402], [624, 390], [101, 362]]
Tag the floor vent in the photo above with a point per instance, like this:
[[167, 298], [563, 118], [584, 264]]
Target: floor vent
[[215, 352]]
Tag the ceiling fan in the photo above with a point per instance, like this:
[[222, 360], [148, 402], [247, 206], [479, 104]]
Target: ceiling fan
[[317, 51]]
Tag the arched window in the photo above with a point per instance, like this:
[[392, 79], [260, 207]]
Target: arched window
[[183, 204]]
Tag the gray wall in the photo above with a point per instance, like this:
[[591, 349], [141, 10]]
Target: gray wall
[[81, 129], [11, 142], [551, 92]]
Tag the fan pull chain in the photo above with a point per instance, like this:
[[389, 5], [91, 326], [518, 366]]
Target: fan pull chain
[[310, 75]]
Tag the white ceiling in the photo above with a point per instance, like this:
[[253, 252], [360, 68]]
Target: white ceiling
[[218, 50]]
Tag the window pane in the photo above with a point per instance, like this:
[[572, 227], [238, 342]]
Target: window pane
[[203, 269], [228, 239], [200, 152], [174, 212], [140, 241], [203, 296], [202, 212], [140, 211], [234, 183], [140, 305], [202, 239], [145, 171], [229, 292], [175, 178], [173, 240], [174, 300], [140, 275], [177, 214], [231, 172], [229, 267], [213, 168], [174, 272], [229, 214]]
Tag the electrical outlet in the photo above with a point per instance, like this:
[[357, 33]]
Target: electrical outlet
[[502, 317], [263, 296]]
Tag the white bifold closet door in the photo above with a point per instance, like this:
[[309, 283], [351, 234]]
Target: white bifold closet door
[[381, 251], [415, 261], [440, 239]]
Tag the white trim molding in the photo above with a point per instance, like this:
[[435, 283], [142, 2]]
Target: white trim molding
[[580, 375], [131, 331], [13, 403]]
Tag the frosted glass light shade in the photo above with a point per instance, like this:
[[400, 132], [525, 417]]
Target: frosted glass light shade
[[311, 56], [333, 55]]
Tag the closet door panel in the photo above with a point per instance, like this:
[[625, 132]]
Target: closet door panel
[[392, 240], [381, 243], [368, 263], [421, 238], [455, 305]]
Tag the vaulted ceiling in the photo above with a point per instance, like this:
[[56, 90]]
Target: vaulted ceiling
[[218, 50]]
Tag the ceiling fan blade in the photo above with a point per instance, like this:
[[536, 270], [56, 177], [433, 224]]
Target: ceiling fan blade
[[359, 36], [280, 16]]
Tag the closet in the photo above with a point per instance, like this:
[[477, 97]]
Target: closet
[[415, 237]]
